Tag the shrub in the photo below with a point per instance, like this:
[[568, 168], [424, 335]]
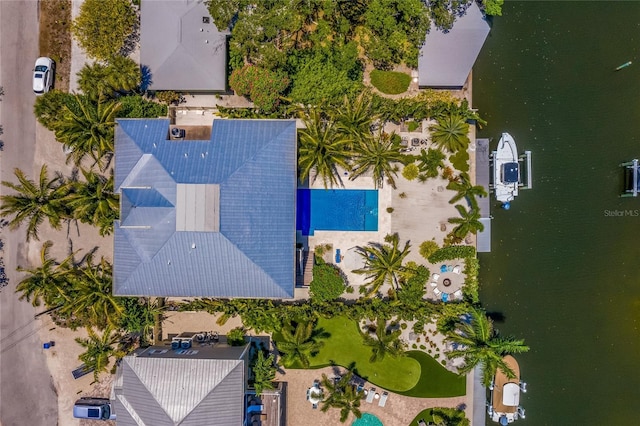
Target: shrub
[[448, 174], [327, 283], [389, 209], [103, 27], [427, 248], [262, 86], [235, 336], [452, 253], [414, 346], [423, 347], [390, 82], [168, 97], [460, 160], [413, 126], [49, 108], [403, 326], [136, 106], [410, 171]]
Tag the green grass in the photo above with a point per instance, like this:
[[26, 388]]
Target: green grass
[[345, 346], [390, 82], [416, 374], [435, 380]]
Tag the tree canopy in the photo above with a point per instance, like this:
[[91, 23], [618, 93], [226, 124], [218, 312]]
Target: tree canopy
[[103, 27]]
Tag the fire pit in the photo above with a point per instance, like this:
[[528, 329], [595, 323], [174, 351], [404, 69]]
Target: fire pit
[[446, 282]]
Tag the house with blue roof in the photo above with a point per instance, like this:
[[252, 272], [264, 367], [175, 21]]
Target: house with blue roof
[[205, 218]]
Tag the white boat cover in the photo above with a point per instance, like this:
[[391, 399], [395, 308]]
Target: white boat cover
[[511, 395]]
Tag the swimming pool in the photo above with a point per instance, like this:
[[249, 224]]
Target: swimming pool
[[367, 420], [336, 210]]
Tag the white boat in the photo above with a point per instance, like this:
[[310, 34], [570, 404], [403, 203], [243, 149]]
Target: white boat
[[504, 407], [506, 170]]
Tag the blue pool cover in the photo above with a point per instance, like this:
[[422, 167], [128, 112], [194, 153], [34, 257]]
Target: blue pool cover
[[336, 210]]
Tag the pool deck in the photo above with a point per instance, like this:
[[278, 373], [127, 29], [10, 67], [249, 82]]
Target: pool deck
[[399, 410]]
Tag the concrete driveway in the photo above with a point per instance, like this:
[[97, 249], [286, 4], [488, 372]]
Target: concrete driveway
[[27, 395]]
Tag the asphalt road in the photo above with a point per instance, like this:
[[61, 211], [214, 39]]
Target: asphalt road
[[27, 394]]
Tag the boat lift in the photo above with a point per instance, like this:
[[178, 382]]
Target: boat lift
[[524, 182], [631, 178]]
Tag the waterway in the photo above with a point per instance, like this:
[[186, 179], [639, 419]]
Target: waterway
[[564, 272]]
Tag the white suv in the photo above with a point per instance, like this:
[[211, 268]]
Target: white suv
[[43, 75]]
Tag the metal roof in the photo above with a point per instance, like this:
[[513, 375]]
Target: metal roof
[[179, 389], [248, 252], [446, 58], [180, 49]]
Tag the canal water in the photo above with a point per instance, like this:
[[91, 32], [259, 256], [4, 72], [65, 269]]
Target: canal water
[[564, 271]]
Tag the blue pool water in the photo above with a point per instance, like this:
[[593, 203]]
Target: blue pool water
[[367, 420], [336, 210]]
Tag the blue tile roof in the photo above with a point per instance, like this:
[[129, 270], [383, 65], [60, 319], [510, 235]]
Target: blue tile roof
[[254, 164]]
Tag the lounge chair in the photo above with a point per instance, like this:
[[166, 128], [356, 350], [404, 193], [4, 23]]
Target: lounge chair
[[338, 256], [371, 395], [437, 292], [383, 399], [255, 408], [456, 270]]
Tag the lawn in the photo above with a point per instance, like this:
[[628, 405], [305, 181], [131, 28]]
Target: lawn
[[416, 374], [345, 347], [435, 380], [390, 82]]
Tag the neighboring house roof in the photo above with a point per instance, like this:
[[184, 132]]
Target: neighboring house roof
[[160, 387], [181, 50], [212, 218], [446, 58]]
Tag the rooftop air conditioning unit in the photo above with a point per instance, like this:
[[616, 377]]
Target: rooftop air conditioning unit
[[177, 133]]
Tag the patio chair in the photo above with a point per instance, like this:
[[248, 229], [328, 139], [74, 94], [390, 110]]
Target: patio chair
[[456, 270], [316, 384], [434, 284], [435, 276], [437, 292], [315, 406], [458, 294], [383, 399], [371, 395]]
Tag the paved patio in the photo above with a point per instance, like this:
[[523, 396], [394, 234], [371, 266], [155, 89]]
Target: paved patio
[[399, 410]]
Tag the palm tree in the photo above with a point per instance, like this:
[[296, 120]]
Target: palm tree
[[430, 161], [264, 372], [378, 155], [49, 282], [385, 342], [383, 263], [35, 202], [449, 417], [479, 344], [467, 223], [94, 200], [99, 350], [297, 345], [450, 132], [356, 116], [120, 76], [322, 148], [342, 394], [90, 132], [465, 189], [94, 300]]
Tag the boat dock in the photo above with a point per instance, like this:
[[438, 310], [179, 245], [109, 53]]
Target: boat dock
[[528, 182], [631, 178], [483, 170]]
